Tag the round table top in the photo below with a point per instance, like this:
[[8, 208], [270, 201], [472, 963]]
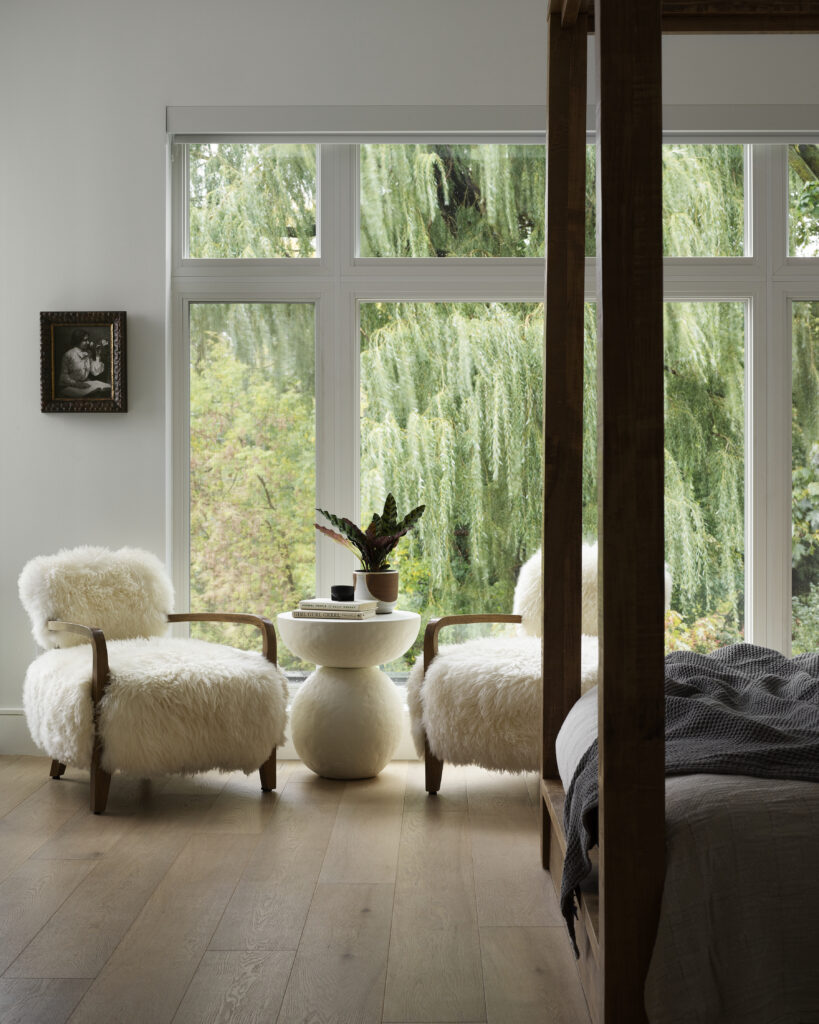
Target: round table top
[[349, 643]]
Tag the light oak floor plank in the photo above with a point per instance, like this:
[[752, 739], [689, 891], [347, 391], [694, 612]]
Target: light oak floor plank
[[525, 974], [511, 886], [47, 809], [147, 976], [28, 898], [101, 909], [434, 968], [236, 987], [367, 831], [20, 779], [16, 848], [87, 836], [39, 1001], [241, 806], [190, 901], [270, 904], [338, 974], [451, 797]]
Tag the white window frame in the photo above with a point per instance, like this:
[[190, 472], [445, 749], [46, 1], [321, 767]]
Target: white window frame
[[338, 280]]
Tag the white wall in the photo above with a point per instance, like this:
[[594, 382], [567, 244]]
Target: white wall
[[85, 85]]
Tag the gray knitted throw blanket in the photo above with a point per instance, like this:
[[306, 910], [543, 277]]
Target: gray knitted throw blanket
[[742, 710]]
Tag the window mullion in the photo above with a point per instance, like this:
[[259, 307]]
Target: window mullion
[[774, 444], [336, 364]]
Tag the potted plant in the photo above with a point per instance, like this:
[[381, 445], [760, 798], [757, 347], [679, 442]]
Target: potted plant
[[375, 580]]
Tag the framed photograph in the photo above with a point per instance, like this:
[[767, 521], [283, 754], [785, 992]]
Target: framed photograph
[[82, 362]]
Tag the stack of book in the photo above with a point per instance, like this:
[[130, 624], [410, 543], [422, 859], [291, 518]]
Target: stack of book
[[324, 608]]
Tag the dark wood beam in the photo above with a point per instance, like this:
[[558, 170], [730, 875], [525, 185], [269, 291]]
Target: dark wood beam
[[630, 496], [739, 16], [569, 12], [717, 16], [563, 376]]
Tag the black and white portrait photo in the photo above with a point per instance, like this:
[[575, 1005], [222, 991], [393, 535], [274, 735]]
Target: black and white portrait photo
[[82, 362]]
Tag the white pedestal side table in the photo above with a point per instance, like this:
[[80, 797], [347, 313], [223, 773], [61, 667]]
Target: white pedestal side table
[[346, 719]]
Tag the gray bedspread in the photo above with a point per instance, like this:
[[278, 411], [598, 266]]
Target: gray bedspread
[[741, 711]]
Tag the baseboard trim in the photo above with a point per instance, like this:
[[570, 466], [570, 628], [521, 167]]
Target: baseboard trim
[[14, 735]]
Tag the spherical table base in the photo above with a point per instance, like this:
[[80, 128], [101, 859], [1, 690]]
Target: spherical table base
[[346, 722]]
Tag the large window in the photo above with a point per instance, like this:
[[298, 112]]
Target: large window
[[353, 320]]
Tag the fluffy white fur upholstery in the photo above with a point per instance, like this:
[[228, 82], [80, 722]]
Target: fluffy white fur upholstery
[[528, 601], [529, 597], [172, 705], [480, 701], [125, 593]]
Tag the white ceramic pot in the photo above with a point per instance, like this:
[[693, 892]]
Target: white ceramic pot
[[377, 586]]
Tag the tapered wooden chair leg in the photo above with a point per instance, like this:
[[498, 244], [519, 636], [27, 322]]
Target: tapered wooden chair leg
[[57, 769], [433, 769], [267, 773], [100, 780], [100, 783]]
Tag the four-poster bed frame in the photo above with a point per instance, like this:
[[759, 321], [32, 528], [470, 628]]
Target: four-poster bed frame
[[617, 925]]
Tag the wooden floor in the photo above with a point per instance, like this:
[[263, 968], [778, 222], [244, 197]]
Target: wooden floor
[[201, 900]]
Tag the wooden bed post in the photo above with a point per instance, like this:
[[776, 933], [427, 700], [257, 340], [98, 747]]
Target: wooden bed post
[[630, 490], [563, 381]]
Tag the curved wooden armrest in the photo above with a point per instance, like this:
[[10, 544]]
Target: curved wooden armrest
[[434, 626], [99, 673], [264, 625]]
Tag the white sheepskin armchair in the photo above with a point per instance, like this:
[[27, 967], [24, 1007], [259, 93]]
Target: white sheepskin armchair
[[480, 701], [165, 705]]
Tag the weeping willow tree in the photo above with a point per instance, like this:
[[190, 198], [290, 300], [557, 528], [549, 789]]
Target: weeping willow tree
[[704, 458], [251, 201], [803, 175], [452, 200], [452, 416], [451, 392], [703, 208], [805, 496]]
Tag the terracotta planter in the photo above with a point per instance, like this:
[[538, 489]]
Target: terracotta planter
[[377, 586]]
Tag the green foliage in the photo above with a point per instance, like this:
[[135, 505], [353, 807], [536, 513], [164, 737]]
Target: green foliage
[[236, 208], [373, 545], [806, 620], [451, 393], [252, 479], [703, 209], [705, 634], [443, 200], [805, 475], [803, 176], [451, 412], [704, 453]]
